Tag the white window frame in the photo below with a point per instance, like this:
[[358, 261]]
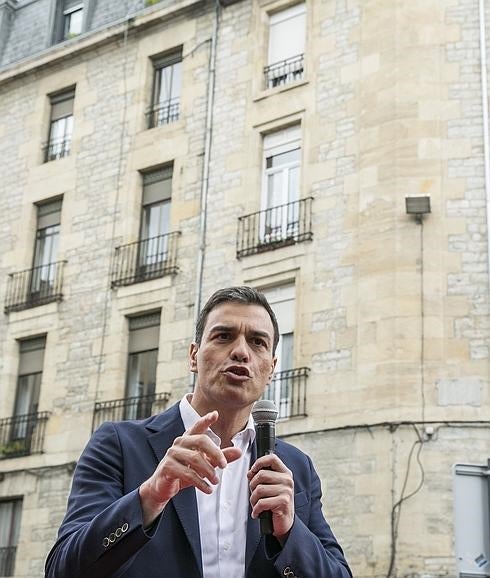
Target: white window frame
[[67, 12], [283, 64], [472, 519], [276, 143], [281, 294]]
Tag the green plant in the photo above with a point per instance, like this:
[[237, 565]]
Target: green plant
[[13, 448], [151, 2]]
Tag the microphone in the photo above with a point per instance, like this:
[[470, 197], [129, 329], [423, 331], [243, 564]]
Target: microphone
[[264, 414]]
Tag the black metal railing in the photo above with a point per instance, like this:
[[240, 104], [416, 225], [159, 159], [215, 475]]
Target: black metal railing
[[7, 560], [22, 435], [139, 407], [275, 227], [57, 149], [146, 259], [163, 112], [284, 72], [33, 287], [288, 390]]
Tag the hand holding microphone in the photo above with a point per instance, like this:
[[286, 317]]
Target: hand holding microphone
[[271, 482]]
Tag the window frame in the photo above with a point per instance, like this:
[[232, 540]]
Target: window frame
[[289, 139], [60, 147], [165, 112], [14, 533], [290, 69], [147, 320]]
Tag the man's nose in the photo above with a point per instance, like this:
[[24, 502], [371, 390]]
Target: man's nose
[[240, 350]]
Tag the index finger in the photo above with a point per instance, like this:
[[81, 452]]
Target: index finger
[[203, 423]]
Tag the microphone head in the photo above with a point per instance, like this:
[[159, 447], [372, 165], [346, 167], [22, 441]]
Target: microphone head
[[264, 411]]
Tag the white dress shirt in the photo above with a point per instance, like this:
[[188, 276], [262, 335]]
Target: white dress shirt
[[223, 515]]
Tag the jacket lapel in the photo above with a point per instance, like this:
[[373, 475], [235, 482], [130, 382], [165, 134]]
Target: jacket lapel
[[163, 429]]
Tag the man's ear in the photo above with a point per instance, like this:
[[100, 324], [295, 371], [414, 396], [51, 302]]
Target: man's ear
[[273, 367], [193, 349]]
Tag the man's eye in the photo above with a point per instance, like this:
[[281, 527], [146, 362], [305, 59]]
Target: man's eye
[[223, 336], [260, 342]]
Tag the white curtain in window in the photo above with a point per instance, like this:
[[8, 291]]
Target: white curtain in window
[[287, 33], [168, 83]]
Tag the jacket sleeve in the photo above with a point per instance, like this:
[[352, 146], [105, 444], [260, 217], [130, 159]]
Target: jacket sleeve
[[102, 530], [311, 550]]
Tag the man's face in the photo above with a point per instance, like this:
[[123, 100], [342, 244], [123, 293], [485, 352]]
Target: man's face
[[234, 361]]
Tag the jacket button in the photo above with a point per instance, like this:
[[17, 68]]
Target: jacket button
[[112, 537], [105, 542], [118, 533], [125, 527]]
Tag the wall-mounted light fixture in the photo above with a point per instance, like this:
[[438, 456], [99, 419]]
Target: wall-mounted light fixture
[[418, 206]]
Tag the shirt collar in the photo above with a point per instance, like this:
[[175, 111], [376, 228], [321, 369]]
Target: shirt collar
[[243, 438]]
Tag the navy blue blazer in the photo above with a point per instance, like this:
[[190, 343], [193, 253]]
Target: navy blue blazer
[[102, 534]]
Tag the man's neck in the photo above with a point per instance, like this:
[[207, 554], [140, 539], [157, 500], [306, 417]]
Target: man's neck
[[230, 421]]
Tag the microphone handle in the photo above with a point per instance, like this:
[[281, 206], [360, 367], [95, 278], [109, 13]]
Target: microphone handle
[[266, 527], [266, 437]]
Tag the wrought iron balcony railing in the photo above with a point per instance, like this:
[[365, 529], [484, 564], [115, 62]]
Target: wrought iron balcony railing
[[34, 287], [22, 435], [288, 390], [284, 72], [57, 149], [139, 407], [7, 560], [275, 227], [145, 259], [163, 112]]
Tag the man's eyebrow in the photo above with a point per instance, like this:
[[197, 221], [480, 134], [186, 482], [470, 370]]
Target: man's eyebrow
[[259, 333], [221, 328]]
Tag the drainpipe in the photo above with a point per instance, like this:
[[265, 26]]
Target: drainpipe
[[484, 96], [205, 173]]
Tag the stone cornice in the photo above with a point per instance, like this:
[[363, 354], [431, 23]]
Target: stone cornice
[[93, 39]]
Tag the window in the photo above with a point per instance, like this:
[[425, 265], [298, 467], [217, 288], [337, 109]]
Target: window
[[472, 519], [142, 364], [282, 301], [282, 162], [155, 219], [167, 78], [72, 18], [285, 60], [61, 125], [43, 278], [10, 512], [28, 388]]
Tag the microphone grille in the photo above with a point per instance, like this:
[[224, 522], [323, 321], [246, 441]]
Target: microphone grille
[[264, 411]]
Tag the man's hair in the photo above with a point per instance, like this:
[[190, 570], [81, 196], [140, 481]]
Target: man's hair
[[245, 295]]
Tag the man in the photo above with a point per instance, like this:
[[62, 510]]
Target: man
[[178, 495]]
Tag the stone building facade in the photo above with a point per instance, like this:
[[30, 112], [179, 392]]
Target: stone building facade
[[153, 152]]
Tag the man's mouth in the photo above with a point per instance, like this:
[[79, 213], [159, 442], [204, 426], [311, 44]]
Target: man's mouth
[[237, 371]]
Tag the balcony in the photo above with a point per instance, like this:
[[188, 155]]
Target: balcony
[[57, 149], [139, 407], [7, 560], [163, 113], [22, 435], [146, 259], [284, 71], [275, 227], [288, 391], [34, 287]]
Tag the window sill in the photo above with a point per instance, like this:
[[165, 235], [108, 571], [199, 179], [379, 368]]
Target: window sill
[[279, 89]]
